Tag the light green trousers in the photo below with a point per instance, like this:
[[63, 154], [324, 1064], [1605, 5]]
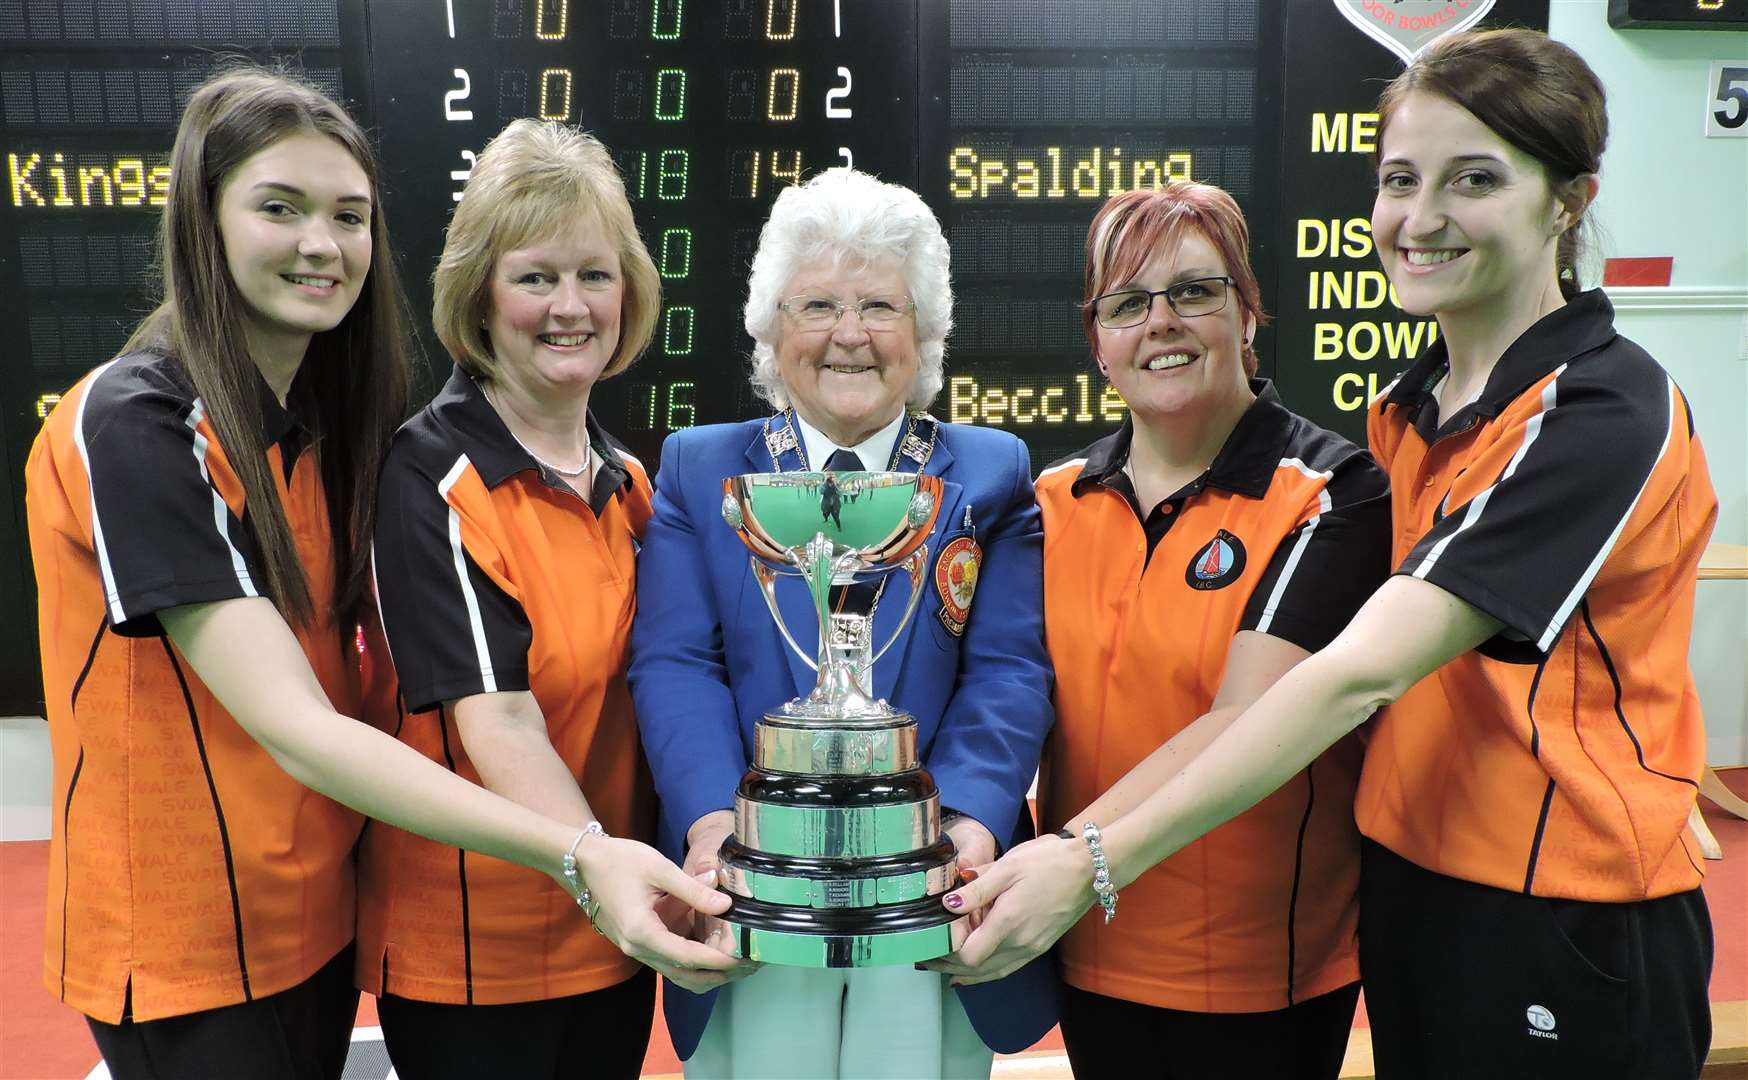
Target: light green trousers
[[891, 1023]]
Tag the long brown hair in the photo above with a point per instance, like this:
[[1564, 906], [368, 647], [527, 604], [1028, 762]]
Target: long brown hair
[[357, 375], [1533, 92]]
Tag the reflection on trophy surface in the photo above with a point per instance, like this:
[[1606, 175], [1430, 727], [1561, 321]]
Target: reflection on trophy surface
[[838, 858]]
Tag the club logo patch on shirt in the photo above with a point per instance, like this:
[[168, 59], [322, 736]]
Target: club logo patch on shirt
[[956, 570], [1217, 564]]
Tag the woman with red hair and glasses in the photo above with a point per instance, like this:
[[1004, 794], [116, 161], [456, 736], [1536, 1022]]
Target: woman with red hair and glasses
[[1191, 558]]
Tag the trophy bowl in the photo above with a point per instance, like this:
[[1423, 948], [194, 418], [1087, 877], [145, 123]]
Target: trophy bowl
[[878, 518], [837, 858]]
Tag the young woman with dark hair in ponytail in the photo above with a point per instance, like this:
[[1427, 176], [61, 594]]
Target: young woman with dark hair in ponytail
[[200, 511]]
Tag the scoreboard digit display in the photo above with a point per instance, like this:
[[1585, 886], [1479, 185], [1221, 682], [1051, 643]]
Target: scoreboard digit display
[[1014, 119], [710, 108]]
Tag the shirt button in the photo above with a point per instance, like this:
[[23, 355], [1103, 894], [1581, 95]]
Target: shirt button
[[1429, 481]]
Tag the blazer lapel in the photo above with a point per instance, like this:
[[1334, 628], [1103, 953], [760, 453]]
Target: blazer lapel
[[758, 456], [896, 596]]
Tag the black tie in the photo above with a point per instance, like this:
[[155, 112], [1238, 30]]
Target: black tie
[[843, 461], [857, 599]]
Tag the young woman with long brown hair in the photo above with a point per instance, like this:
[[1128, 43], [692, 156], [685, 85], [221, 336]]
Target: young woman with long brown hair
[[200, 509], [505, 555]]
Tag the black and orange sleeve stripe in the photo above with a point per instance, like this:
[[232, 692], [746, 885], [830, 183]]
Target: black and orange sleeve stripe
[[453, 630], [1588, 447], [1328, 566], [161, 529]]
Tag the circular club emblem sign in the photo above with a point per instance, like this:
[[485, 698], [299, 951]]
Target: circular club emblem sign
[[1217, 564], [956, 580]]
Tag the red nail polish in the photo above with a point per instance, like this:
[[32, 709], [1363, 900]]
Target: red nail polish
[[955, 902]]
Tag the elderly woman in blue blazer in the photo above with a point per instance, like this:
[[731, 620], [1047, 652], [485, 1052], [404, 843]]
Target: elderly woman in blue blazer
[[849, 308]]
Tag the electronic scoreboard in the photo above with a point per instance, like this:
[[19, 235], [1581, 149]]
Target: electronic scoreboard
[[709, 106], [1014, 119], [1679, 14]]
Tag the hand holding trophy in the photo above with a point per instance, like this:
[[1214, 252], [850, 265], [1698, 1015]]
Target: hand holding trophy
[[838, 858]]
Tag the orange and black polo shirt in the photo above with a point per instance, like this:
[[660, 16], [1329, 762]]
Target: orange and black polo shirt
[[493, 576], [184, 864], [1571, 502], [1286, 533]]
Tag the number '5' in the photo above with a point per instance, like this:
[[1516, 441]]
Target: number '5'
[[1732, 93]]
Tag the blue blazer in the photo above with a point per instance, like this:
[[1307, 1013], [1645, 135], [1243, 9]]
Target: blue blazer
[[707, 662]]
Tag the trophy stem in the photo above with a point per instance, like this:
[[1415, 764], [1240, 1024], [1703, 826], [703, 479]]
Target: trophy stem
[[816, 569], [838, 684], [838, 688]]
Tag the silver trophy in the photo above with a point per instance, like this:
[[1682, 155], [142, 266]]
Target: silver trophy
[[837, 859]]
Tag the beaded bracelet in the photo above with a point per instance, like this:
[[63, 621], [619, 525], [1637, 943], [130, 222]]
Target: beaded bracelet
[[1101, 883], [1101, 872], [569, 868]]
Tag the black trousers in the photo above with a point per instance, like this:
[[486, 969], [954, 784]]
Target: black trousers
[[298, 1034], [601, 1035], [1463, 980], [1110, 1037]]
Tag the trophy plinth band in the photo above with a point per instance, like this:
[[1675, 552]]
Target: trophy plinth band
[[791, 745], [838, 883], [813, 817], [837, 857], [863, 937]]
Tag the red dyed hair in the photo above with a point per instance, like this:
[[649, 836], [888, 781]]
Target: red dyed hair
[[1132, 226]]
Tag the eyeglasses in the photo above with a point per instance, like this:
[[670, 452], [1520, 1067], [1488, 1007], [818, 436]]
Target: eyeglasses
[[1130, 307], [823, 312]]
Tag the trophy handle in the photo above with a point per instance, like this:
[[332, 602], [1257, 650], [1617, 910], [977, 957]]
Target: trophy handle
[[913, 564], [767, 579]]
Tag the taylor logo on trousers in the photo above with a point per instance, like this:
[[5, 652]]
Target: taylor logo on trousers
[[1541, 1022]]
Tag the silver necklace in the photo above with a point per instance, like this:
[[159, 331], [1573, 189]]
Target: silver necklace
[[570, 474]]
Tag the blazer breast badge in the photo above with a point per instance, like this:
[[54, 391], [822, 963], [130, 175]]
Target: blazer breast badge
[[956, 569]]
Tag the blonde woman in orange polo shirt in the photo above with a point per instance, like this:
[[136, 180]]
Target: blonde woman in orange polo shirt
[[1530, 900], [198, 510], [505, 560], [1208, 545]]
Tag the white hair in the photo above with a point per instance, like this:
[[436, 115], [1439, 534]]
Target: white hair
[[850, 218]]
